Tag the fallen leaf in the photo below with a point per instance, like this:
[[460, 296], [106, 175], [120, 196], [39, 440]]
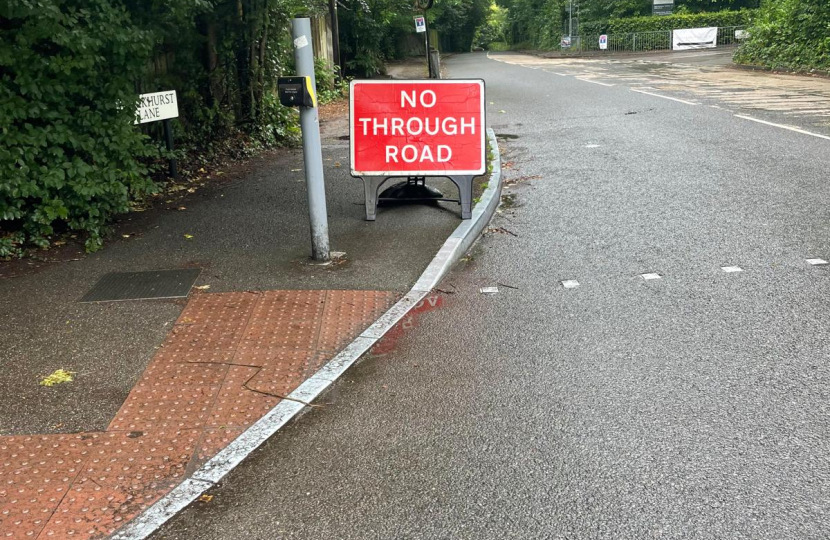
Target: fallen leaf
[[502, 112], [125, 235], [206, 498], [202, 287], [181, 208], [202, 170], [191, 190], [58, 377], [188, 236], [336, 163]]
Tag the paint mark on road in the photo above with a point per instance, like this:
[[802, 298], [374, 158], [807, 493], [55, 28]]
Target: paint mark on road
[[782, 126], [593, 82], [662, 96], [570, 284], [731, 269]]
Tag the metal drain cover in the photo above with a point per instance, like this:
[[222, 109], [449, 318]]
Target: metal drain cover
[[143, 285]]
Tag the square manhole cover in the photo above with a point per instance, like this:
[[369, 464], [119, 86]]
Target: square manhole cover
[[143, 285]]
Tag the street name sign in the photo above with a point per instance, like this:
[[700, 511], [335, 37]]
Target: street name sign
[[417, 128], [157, 106]]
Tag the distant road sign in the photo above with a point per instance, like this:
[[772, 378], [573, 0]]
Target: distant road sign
[[420, 24], [662, 7], [603, 42], [417, 128], [566, 42], [157, 106]]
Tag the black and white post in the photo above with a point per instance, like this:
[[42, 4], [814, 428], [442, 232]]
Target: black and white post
[[312, 152]]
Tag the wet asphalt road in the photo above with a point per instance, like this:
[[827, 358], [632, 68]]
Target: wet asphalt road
[[691, 406]]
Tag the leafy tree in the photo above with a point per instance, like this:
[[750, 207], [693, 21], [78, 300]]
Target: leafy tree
[[494, 29], [370, 32], [457, 21]]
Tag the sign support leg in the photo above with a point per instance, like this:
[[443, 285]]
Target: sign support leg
[[465, 194], [312, 151], [168, 138], [371, 186]]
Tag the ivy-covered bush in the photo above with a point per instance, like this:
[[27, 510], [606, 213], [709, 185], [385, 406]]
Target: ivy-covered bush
[[70, 155], [668, 22], [789, 34]]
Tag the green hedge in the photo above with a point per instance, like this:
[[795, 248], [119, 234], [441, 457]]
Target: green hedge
[[70, 154], [789, 34], [668, 22]]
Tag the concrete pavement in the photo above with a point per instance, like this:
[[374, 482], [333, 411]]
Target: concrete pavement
[[690, 406]]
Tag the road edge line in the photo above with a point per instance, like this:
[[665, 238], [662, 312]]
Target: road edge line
[[209, 474]]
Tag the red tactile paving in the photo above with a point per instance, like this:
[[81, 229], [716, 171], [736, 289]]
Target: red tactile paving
[[213, 440], [227, 361], [345, 314], [236, 405], [36, 473]]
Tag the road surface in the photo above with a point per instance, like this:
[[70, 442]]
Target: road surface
[[691, 405]]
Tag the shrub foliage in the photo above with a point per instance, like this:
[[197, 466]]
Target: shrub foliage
[[789, 34], [668, 22], [70, 153]]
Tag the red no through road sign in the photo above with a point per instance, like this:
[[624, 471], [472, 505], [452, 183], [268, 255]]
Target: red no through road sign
[[417, 128]]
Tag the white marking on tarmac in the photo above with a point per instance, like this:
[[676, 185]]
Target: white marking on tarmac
[[570, 284], [560, 74], [731, 269], [591, 146], [816, 262], [664, 97], [489, 290], [790, 128], [593, 82], [651, 276]]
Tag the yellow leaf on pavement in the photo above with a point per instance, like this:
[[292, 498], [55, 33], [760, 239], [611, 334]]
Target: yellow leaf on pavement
[[58, 377]]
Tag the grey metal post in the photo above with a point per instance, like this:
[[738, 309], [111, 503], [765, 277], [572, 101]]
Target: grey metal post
[[312, 152], [571, 21], [428, 46]]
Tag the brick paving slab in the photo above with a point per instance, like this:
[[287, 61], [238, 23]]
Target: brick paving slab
[[227, 361]]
